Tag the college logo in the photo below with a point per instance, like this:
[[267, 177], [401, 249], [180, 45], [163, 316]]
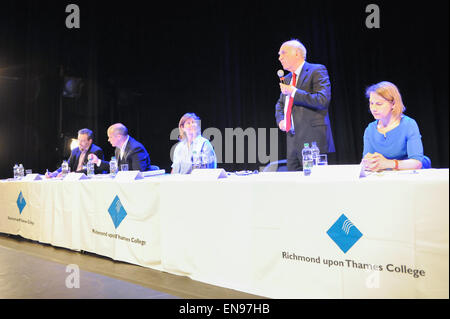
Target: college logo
[[117, 212], [21, 203], [344, 233]]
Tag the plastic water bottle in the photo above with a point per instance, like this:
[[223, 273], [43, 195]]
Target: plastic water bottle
[[113, 168], [315, 153], [16, 171], [307, 159], [64, 168], [203, 159], [21, 171], [195, 160], [90, 168]]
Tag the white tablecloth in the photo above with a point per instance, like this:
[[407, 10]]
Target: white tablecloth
[[266, 234], [74, 215]]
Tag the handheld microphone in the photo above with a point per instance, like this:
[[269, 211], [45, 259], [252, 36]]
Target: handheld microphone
[[280, 74]]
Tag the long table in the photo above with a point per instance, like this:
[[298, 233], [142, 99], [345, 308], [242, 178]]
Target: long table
[[279, 235]]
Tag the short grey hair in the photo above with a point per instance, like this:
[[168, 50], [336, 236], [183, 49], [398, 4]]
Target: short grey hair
[[298, 45], [119, 128], [88, 132]]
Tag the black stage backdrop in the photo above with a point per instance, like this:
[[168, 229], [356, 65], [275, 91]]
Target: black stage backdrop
[[146, 66]]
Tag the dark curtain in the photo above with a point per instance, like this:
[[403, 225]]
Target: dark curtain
[[146, 66]]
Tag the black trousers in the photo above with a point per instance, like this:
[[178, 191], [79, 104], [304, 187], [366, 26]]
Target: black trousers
[[294, 153], [294, 149]]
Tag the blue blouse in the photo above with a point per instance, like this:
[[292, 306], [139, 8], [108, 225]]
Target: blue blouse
[[402, 142]]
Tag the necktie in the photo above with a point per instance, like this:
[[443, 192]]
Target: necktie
[[289, 109], [80, 161]]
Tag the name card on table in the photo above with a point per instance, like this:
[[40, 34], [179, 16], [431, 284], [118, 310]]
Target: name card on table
[[338, 171], [153, 173], [209, 173], [127, 176], [32, 177], [75, 177]]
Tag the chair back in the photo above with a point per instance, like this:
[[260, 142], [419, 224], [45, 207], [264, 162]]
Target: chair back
[[277, 166], [426, 162]]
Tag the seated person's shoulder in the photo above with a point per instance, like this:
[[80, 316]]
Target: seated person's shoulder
[[96, 148], [409, 121]]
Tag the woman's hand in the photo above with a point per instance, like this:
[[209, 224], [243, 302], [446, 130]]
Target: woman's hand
[[376, 162]]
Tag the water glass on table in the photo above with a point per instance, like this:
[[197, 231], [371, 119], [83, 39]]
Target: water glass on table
[[124, 167], [322, 159]]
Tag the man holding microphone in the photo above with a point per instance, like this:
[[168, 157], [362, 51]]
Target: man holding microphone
[[302, 109]]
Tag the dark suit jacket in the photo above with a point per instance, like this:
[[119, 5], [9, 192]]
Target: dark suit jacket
[[310, 108], [135, 155], [75, 156]]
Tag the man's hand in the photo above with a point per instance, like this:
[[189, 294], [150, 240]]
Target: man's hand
[[287, 89], [93, 158], [51, 174], [282, 125]]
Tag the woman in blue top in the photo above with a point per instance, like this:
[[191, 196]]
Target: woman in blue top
[[193, 148], [393, 140]]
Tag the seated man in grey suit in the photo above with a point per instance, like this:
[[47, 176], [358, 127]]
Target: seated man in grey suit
[[128, 150], [79, 156]]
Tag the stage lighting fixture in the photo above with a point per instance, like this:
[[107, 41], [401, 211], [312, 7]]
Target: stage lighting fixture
[[73, 144], [72, 87]]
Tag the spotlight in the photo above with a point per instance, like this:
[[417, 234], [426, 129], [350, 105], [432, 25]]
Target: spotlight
[[72, 87], [73, 144]]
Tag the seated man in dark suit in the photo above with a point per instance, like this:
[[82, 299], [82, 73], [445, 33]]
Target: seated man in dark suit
[[79, 156], [128, 150]]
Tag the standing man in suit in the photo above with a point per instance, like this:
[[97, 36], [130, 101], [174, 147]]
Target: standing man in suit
[[302, 109], [128, 150], [79, 156]]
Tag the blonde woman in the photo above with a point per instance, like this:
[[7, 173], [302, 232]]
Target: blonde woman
[[393, 140], [193, 149]]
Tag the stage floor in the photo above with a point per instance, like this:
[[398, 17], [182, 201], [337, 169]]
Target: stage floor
[[30, 270]]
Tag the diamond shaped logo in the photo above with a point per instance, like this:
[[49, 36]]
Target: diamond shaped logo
[[117, 212], [344, 233], [21, 203]]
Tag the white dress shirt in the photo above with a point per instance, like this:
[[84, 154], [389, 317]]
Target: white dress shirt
[[124, 145], [286, 102]]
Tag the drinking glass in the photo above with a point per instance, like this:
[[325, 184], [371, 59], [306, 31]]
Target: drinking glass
[[322, 159]]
